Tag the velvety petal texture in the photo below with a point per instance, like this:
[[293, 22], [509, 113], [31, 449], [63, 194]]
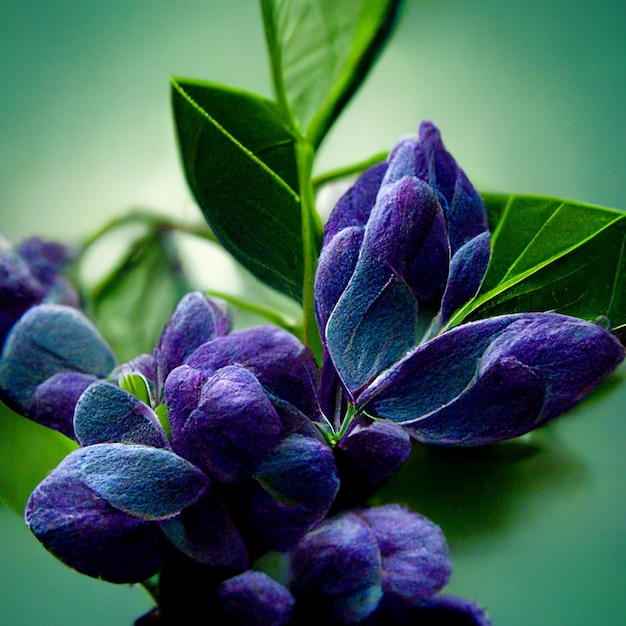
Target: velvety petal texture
[[105, 414], [30, 273], [367, 563], [255, 599], [416, 249], [494, 379]]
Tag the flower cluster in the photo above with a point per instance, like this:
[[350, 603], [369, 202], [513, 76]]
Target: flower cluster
[[221, 448], [403, 249], [31, 273]]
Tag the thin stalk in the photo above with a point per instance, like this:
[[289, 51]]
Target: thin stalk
[[348, 170], [152, 220], [311, 228]]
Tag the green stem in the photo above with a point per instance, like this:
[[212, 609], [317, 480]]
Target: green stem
[[272, 315], [311, 237], [151, 220], [348, 170]]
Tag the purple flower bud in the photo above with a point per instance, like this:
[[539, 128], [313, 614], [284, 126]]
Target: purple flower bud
[[255, 599]]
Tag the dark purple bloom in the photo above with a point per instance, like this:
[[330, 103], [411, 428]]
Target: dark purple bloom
[[255, 599], [404, 248], [370, 565], [229, 466], [30, 273]]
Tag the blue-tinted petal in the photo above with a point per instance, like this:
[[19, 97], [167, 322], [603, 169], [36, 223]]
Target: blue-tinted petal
[[570, 355], [255, 599], [336, 265], [88, 534], [407, 232], [504, 401], [54, 401], [355, 206], [467, 270], [19, 290], [51, 339], [106, 413], [415, 563], [282, 364], [434, 373], [466, 216], [205, 532], [196, 320], [453, 611], [339, 559], [147, 483], [298, 482], [375, 449], [232, 429]]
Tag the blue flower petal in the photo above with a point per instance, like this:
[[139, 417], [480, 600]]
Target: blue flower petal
[[339, 560], [53, 402], [196, 320], [570, 355], [255, 599], [281, 363], [467, 270], [494, 379], [375, 449], [415, 562], [51, 339], [147, 483], [232, 429], [297, 484], [88, 534], [355, 206], [205, 532], [106, 413], [335, 267]]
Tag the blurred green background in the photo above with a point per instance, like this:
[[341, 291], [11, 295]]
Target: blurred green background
[[530, 97]]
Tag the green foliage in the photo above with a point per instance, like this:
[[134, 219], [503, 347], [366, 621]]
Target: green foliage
[[133, 304], [239, 160], [320, 53], [28, 452], [553, 255]]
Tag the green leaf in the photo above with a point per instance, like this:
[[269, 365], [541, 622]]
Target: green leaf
[[28, 452], [132, 305], [321, 51], [240, 163], [553, 255]]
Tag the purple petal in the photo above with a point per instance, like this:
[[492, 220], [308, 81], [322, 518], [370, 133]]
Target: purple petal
[[88, 534], [335, 267], [407, 232], [255, 599], [340, 560], [232, 429], [196, 320], [106, 414], [297, 485], [494, 379], [54, 401], [415, 563], [452, 610], [282, 364], [375, 449], [371, 327], [147, 483], [19, 290], [570, 355], [355, 206], [205, 532], [467, 270], [504, 401], [432, 374], [51, 339]]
